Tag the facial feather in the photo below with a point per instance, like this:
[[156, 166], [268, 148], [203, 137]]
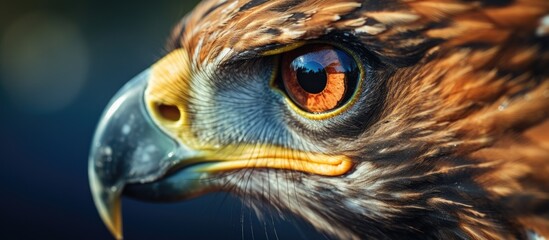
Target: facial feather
[[458, 147]]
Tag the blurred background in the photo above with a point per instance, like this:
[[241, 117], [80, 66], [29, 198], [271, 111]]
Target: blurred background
[[60, 63]]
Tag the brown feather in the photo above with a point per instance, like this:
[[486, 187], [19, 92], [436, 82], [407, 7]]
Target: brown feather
[[470, 81]]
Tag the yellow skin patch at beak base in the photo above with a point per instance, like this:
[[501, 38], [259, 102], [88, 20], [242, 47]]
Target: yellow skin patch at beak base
[[170, 85], [278, 158]]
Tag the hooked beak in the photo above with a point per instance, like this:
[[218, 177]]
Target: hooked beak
[[128, 148]]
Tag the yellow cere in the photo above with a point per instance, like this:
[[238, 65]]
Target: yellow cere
[[167, 95]]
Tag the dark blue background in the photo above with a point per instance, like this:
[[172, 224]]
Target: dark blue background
[[44, 190]]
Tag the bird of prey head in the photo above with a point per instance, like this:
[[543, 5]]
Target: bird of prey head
[[368, 119]]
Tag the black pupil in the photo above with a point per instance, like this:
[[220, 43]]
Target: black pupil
[[311, 76]]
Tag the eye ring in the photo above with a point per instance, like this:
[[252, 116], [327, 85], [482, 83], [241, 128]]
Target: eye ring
[[320, 80]]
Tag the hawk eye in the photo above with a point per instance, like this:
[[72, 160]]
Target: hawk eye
[[319, 78]]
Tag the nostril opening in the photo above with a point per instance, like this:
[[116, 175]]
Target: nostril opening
[[168, 112]]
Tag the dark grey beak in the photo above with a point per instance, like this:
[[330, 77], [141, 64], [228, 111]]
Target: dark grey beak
[[130, 149]]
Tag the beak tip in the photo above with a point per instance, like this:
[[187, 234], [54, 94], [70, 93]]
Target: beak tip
[[110, 213], [116, 232], [114, 224], [107, 202]]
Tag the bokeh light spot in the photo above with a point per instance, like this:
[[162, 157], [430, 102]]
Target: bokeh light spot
[[44, 62]]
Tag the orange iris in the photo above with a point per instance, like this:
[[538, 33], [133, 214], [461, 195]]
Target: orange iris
[[319, 78]]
